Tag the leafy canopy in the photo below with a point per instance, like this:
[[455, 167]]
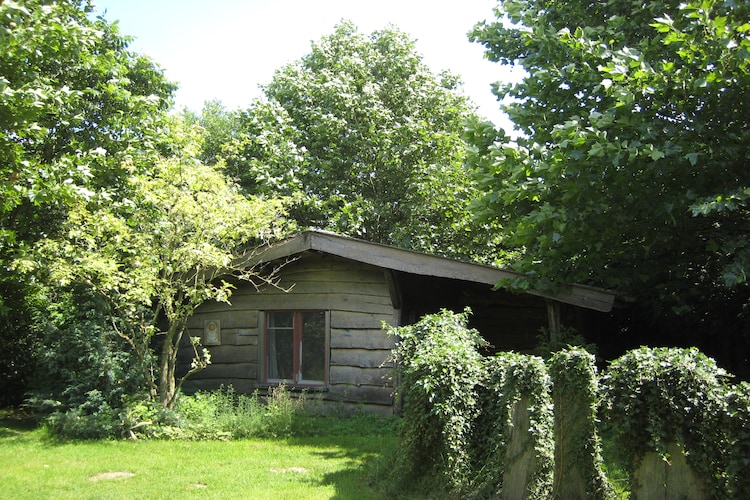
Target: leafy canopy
[[369, 141], [74, 101], [71, 97], [167, 248], [632, 172]]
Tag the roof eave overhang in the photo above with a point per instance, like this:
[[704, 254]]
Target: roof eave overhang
[[409, 261]]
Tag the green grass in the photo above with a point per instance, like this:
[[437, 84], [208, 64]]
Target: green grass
[[342, 465], [341, 458]]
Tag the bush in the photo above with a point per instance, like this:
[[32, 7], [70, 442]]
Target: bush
[[579, 469], [657, 396], [84, 372], [220, 414], [513, 379], [736, 423], [440, 365], [93, 419], [81, 362]]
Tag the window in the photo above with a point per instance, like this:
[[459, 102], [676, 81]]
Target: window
[[295, 347]]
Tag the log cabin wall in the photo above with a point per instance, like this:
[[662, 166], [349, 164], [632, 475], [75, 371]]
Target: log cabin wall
[[356, 298]]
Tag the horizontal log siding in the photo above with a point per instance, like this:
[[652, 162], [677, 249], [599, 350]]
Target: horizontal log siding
[[358, 299]]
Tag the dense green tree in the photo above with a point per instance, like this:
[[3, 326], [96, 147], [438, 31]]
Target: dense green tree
[[71, 98], [220, 129], [632, 170], [162, 252], [368, 140], [73, 103]]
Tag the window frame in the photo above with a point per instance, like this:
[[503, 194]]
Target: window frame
[[298, 342]]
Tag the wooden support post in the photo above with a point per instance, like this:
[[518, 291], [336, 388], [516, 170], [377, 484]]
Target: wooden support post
[[554, 320]]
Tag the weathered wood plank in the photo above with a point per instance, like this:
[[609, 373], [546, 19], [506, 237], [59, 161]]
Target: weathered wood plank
[[361, 339], [350, 320], [233, 336], [658, 478], [231, 316], [313, 286], [229, 371], [363, 394], [520, 454], [344, 302], [240, 385], [362, 358], [360, 376], [308, 270], [223, 354]]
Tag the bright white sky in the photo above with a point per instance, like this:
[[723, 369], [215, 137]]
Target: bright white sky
[[225, 49]]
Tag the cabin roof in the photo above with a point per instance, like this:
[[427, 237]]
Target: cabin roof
[[409, 261]]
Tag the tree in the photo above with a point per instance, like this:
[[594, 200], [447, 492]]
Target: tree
[[73, 103], [367, 139], [632, 173], [220, 128], [177, 241], [71, 98]]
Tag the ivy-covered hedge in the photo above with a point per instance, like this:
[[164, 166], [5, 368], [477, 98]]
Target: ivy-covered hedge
[[578, 461], [439, 364], [513, 383], [736, 424], [460, 412], [458, 409], [657, 396]]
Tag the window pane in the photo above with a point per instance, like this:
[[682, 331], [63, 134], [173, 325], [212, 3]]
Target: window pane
[[281, 320], [313, 348], [280, 359]]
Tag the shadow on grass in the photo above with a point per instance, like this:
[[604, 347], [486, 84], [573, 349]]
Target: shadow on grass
[[16, 424], [368, 473], [367, 445]]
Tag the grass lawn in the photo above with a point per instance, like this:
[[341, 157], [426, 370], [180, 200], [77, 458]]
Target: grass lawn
[[337, 466]]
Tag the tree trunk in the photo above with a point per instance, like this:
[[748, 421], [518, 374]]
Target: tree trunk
[[166, 375]]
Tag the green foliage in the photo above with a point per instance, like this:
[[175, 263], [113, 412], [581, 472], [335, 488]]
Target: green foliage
[[18, 342], [657, 396], [221, 414], [736, 424], [72, 100], [631, 173], [167, 247], [83, 371], [94, 419], [440, 366], [567, 337], [368, 141], [512, 379], [219, 130], [224, 414], [73, 103], [578, 462]]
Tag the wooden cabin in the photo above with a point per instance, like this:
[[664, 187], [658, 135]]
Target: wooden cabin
[[324, 334]]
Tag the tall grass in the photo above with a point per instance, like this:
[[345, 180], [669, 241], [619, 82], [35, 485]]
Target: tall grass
[[238, 416]]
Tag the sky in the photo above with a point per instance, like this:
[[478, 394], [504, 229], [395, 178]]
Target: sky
[[226, 49]]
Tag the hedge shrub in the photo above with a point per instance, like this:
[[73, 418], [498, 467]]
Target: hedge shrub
[[439, 365], [513, 379], [578, 462], [657, 396]]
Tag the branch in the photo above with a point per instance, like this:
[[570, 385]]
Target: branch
[[200, 362]]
